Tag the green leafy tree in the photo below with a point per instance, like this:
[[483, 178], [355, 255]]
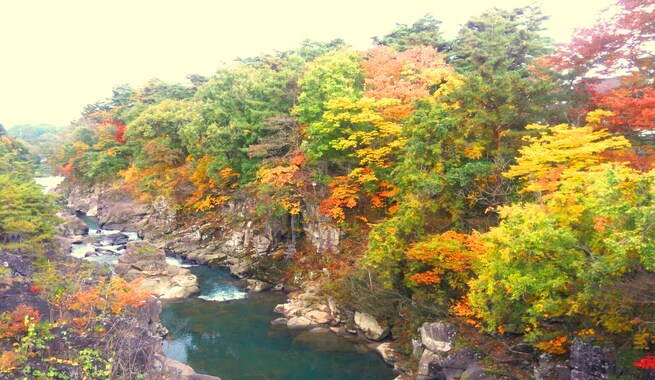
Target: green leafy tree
[[423, 32], [503, 90]]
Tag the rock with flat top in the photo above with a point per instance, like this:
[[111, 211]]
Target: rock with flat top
[[438, 336]]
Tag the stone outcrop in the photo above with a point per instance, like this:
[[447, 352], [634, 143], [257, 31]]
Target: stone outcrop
[[438, 336], [440, 360], [306, 310], [72, 225], [371, 328], [320, 230], [548, 369], [235, 240], [114, 208], [256, 286], [145, 261], [591, 362]]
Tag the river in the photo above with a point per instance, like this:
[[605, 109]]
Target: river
[[228, 333], [232, 337]]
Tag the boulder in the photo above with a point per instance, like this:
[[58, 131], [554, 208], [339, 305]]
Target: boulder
[[279, 321], [592, 362], [299, 323], [386, 350], [114, 239], [476, 372], [145, 261], [16, 265], [318, 316], [460, 359], [175, 370], [438, 336], [429, 367], [72, 225], [256, 286], [370, 327]]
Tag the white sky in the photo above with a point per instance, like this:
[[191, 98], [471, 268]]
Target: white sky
[[58, 56]]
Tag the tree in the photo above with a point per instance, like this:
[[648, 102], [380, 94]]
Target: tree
[[503, 90], [575, 252], [233, 108], [424, 32], [612, 65], [27, 215], [561, 151]]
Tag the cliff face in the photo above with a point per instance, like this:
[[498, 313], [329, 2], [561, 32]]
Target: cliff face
[[234, 237]]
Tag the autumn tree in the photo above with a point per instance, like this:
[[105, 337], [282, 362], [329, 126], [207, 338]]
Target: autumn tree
[[574, 252], [611, 65]]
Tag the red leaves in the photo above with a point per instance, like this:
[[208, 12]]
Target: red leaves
[[119, 133], [634, 108], [647, 362]]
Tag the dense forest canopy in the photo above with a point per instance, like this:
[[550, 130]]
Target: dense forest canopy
[[493, 175]]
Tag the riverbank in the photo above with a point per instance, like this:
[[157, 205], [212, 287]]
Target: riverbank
[[347, 352], [264, 250]]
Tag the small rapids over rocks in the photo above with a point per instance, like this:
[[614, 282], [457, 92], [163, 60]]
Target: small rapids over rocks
[[228, 333]]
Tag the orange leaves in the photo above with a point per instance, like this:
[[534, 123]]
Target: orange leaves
[[556, 346], [279, 176], [344, 194], [431, 277], [116, 296], [210, 194], [450, 254], [600, 223], [349, 191], [462, 308], [126, 296], [407, 76], [13, 323]]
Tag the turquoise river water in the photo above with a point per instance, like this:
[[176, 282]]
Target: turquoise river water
[[229, 334]]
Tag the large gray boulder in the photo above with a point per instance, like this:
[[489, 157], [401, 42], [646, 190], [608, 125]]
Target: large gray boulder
[[370, 327], [438, 336], [145, 261], [591, 362], [71, 225]]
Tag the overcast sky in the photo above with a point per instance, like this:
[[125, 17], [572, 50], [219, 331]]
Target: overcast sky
[[57, 56]]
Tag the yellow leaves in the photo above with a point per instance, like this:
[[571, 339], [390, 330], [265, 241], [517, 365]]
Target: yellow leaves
[[362, 175], [80, 146], [366, 131], [209, 202], [286, 183], [598, 117], [644, 340], [559, 153]]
